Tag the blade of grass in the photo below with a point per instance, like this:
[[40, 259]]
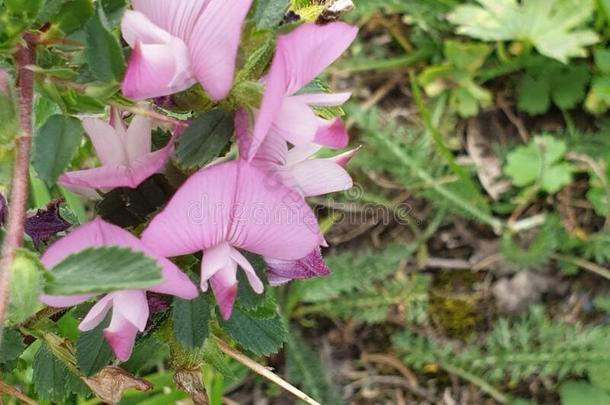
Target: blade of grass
[[437, 137], [366, 64]]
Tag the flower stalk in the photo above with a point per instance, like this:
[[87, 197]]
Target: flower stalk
[[24, 56]]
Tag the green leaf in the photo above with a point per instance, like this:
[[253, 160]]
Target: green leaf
[[598, 99], [29, 8], [54, 146], [11, 347], [550, 25], [466, 56], [74, 14], [53, 381], [602, 59], [260, 336], [540, 161], [148, 351], [206, 137], [269, 13], [565, 85], [26, 286], [582, 393], [92, 351], [103, 52], [103, 269], [9, 124], [191, 320]]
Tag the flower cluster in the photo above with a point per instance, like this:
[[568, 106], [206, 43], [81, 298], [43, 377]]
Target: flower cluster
[[255, 203]]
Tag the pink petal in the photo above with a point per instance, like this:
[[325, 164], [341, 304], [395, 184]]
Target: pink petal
[[296, 122], [175, 282], [116, 121], [157, 70], [255, 282], [106, 141], [234, 202], [274, 151], [138, 138], [323, 99], [132, 305], [96, 314], [301, 153], [214, 43], [310, 49], [120, 335], [224, 286], [331, 133], [318, 176], [282, 271], [63, 301], [300, 56], [177, 17], [135, 27], [215, 259], [108, 177]]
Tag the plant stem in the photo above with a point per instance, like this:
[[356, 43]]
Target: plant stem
[[24, 56], [264, 371], [584, 264], [482, 384]]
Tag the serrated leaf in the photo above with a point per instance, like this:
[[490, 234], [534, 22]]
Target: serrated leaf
[[206, 137], [73, 15], [191, 319], [55, 143], [551, 25], [11, 347], [26, 286], [92, 351], [260, 336], [103, 269], [103, 52], [269, 13], [52, 380], [305, 368]]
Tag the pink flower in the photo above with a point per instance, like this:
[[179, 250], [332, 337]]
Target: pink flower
[[125, 154], [129, 307], [179, 42], [300, 56], [295, 168], [227, 207]]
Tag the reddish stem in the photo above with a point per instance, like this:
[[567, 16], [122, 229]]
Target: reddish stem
[[13, 239]]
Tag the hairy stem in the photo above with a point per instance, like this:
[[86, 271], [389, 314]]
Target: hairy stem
[[13, 239]]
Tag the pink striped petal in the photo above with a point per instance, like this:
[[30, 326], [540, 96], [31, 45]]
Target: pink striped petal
[[138, 138], [318, 176], [215, 259], [323, 99], [244, 264], [300, 56], [96, 314], [177, 17], [108, 177], [344, 158], [331, 133], [234, 202], [157, 70], [214, 42], [224, 286], [135, 27], [310, 49], [120, 335], [282, 271]]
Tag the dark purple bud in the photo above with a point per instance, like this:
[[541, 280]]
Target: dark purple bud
[[164, 102], [46, 223], [3, 209], [156, 302]]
